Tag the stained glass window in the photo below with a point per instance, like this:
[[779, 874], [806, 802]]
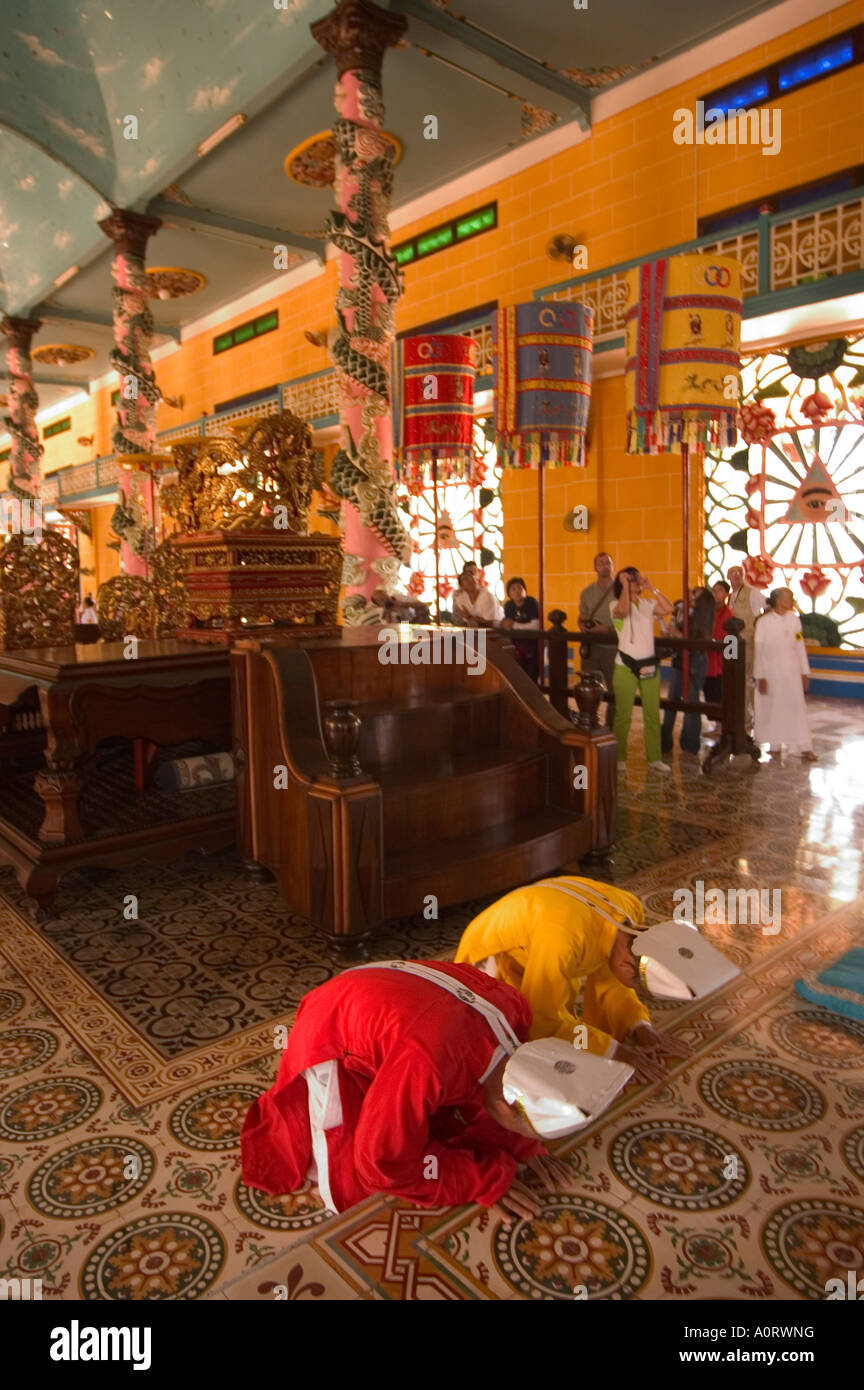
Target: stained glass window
[[787, 501], [453, 523]]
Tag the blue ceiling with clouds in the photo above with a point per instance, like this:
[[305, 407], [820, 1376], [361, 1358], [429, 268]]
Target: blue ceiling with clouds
[[72, 71]]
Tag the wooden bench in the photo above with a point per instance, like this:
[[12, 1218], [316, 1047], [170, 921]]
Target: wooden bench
[[367, 787]]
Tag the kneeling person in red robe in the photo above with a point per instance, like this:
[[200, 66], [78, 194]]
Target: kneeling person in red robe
[[393, 1081]]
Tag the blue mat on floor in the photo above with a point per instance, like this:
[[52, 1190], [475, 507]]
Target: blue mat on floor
[[840, 988]]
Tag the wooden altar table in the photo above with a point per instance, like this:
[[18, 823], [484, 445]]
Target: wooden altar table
[[82, 806]]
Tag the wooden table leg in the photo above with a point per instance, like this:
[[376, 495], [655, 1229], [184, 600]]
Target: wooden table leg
[[59, 783], [146, 754], [40, 885]]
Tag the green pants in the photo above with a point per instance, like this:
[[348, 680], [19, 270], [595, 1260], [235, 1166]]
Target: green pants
[[625, 694]]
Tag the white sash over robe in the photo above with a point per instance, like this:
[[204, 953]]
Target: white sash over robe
[[322, 1081]]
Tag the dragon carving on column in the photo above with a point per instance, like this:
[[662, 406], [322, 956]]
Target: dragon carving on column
[[135, 425], [357, 33]]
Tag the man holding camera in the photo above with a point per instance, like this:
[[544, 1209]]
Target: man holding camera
[[595, 617]]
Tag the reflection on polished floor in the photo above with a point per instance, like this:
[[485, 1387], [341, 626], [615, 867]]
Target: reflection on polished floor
[[740, 1177]]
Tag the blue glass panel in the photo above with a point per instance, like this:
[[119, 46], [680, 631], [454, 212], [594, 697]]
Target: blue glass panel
[[827, 59]]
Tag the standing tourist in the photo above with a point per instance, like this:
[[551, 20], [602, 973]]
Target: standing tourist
[[714, 678], [522, 613], [701, 626], [473, 604], [88, 611], [746, 604], [636, 604], [595, 616], [782, 677]]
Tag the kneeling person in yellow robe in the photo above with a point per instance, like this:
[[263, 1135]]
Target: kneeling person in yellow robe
[[549, 937]]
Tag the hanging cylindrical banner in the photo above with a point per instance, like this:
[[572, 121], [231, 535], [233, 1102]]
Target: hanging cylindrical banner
[[432, 389], [543, 384], [683, 332]]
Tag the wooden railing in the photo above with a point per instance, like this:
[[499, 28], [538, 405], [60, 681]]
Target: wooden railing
[[561, 669]]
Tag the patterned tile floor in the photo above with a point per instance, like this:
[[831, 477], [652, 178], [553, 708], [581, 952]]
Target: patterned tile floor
[[739, 1177]]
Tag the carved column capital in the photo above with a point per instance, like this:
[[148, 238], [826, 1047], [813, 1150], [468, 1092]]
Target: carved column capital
[[357, 34], [130, 231], [20, 331]]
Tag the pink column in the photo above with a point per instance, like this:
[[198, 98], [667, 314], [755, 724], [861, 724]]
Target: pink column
[[24, 470], [357, 34], [135, 430]]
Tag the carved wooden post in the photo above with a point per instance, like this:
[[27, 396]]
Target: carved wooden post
[[135, 428], [557, 647], [588, 694], [59, 783], [357, 34], [24, 480], [341, 725]]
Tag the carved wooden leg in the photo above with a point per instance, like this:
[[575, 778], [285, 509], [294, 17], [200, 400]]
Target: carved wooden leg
[[721, 752], [60, 781], [146, 753], [346, 947], [598, 856], [258, 873], [59, 792], [40, 885]]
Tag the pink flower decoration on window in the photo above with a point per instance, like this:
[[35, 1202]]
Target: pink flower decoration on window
[[756, 422], [754, 484], [758, 572], [814, 582], [752, 518], [817, 407], [416, 584], [445, 588]]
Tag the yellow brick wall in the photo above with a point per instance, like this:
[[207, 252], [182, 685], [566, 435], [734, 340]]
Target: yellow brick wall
[[634, 506], [626, 191]]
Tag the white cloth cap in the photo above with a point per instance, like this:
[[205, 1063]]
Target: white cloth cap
[[678, 963], [561, 1088]]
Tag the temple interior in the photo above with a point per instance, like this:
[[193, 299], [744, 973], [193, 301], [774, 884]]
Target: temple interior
[[401, 404]]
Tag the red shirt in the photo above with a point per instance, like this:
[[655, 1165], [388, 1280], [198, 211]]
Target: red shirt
[[410, 1056], [715, 659]]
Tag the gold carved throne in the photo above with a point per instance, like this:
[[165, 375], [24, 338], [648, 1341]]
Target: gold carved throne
[[241, 508]]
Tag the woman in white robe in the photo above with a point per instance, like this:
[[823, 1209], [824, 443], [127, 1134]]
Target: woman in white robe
[[782, 674]]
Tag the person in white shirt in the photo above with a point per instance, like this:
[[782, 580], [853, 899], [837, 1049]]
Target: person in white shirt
[[636, 605], [474, 605], [88, 612]]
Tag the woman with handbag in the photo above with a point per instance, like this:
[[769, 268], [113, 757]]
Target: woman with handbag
[[637, 604]]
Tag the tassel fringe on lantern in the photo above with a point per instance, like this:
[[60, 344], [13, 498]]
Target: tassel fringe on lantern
[[529, 450], [664, 433]]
